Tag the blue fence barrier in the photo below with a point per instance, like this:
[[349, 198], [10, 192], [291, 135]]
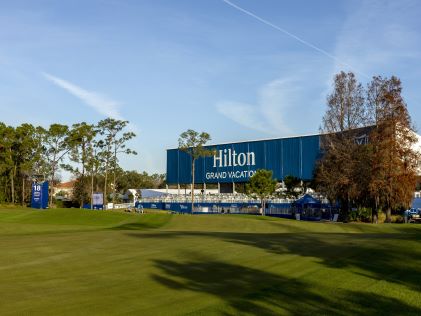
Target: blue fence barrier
[[283, 210], [87, 206]]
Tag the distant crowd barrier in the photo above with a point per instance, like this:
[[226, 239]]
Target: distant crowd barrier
[[284, 210]]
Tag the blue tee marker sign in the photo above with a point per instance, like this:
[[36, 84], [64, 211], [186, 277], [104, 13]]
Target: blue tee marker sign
[[39, 195]]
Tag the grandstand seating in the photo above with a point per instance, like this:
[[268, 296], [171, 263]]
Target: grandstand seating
[[213, 198]]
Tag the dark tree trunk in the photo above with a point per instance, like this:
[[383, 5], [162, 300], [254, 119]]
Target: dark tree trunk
[[345, 210], [23, 191], [105, 188], [263, 207], [388, 215], [114, 187], [92, 191], [192, 185], [374, 216], [12, 186]]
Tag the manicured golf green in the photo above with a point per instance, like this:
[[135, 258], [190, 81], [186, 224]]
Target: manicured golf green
[[76, 262]]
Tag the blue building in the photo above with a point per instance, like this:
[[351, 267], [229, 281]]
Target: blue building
[[237, 162]]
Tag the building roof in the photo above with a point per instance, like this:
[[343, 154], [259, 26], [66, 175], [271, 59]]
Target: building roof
[[66, 185], [256, 140]]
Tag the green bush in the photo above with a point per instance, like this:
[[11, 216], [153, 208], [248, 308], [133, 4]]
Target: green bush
[[353, 216], [397, 219], [58, 203], [382, 217], [360, 215]]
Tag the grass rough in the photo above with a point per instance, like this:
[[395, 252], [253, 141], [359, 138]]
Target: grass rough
[[79, 262]]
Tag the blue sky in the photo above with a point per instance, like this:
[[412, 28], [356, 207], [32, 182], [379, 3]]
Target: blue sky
[[240, 70]]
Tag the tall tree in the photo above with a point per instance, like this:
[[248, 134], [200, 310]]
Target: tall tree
[[262, 185], [114, 143], [394, 160], [380, 171], [192, 143], [7, 161], [20, 148], [82, 135], [95, 164], [41, 167], [346, 112], [28, 149], [57, 144], [119, 147], [346, 108]]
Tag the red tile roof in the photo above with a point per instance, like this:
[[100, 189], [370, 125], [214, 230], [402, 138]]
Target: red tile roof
[[66, 185]]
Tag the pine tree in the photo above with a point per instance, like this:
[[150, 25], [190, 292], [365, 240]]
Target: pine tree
[[191, 142]]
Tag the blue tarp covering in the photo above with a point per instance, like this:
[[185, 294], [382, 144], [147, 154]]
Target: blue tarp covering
[[309, 208], [307, 199]]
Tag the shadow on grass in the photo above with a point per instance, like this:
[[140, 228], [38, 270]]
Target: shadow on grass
[[134, 226], [144, 222], [391, 257], [250, 291]]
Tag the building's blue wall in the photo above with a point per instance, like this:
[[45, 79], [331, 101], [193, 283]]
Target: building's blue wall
[[286, 156]]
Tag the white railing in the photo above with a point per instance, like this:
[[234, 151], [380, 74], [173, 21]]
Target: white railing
[[214, 198], [121, 206], [219, 198]]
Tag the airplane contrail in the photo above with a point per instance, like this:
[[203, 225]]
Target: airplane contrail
[[302, 41]]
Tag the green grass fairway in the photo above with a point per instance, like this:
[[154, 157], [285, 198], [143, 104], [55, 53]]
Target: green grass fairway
[[76, 262]]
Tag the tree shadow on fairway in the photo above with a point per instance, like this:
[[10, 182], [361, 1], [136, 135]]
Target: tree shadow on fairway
[[143, 222], [133, 226], [250, 291], [391, 257], [387, 257]]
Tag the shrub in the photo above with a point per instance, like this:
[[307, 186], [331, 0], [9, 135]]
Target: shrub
[[360, 215], [381, 217], [397, 219]]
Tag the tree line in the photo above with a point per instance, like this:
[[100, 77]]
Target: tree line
[[90, 152], [125, 179], [368, 142]]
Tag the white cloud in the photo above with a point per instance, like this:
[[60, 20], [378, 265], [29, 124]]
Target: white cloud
[[98, 102], [241, 113], [270, 114], [276, 98], [378, 37]]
